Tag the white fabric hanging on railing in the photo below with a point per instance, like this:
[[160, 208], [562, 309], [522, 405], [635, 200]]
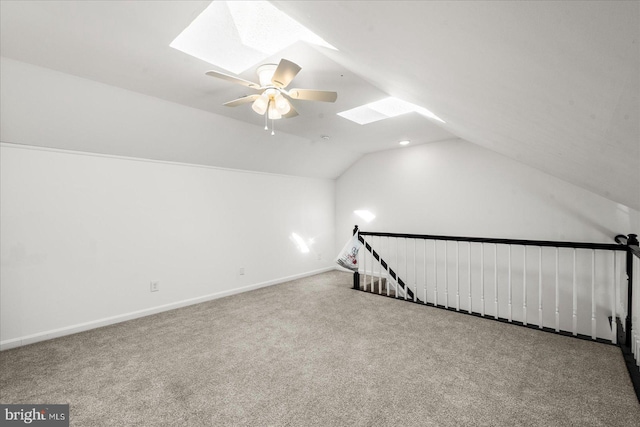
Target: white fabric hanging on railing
[[348, 257]]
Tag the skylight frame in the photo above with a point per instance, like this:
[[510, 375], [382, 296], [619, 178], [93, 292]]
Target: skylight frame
[[385, 108], [237, 35]]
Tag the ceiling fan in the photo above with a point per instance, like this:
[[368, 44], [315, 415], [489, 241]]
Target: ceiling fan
[[273, 97]]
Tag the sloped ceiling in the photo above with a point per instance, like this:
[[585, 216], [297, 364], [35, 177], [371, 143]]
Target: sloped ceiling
[[555, 85]]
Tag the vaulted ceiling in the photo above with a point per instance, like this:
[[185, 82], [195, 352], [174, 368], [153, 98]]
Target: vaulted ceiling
[[554, 85]]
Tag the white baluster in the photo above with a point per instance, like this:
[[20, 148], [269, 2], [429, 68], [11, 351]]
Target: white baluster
[[415, 273], [509, 288], [524, 285], [457, 276], [495, 279], [388, 251], [557, 291], [373, 264], [482, 279], [424, 255], [364, 262], [575, 297], [435, 273], [540, 321], [469, 278], [406, 272], [396, 264], [593, 294], [446, 274], [380, 264], [380, 242], [377, 262]]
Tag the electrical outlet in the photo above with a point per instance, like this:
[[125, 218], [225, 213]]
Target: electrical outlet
[[319, 257], [155, 286], [241, 271]]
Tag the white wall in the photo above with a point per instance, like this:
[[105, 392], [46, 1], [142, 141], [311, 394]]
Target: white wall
[[83, 236], [457, 188]]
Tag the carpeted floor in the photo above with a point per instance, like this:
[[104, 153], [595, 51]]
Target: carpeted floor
[[313, 352]]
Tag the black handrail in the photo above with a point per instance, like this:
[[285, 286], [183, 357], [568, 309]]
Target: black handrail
[[557, 244]]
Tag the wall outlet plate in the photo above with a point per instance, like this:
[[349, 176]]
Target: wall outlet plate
[[241, 271], [155, 286]]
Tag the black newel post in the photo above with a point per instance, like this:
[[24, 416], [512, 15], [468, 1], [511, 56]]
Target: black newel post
[[356, 274], [631, 240]]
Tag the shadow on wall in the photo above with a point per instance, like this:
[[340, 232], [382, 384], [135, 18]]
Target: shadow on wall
[[624, 213]]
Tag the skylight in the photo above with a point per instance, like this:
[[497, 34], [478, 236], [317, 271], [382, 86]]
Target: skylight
[[384, 109], [236, 35]]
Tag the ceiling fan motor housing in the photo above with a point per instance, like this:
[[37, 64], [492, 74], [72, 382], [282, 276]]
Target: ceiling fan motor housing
[[265, 74]]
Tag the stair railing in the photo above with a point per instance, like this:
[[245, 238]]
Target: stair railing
[[399, 284], [568, 288]]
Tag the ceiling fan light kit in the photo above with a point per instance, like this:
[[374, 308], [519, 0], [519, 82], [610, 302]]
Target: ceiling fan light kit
[[282, 105], [273, 97], [261, 104], [274, 114]]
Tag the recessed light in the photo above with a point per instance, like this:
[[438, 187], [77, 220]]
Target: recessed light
[[405, 142]]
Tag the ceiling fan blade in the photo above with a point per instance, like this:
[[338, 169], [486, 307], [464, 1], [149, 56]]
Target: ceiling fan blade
[[240, 101], [313, 95], [292, 113], [233, 79], [285, 72]]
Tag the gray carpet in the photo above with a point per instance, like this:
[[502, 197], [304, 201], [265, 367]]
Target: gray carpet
[[313, 352]]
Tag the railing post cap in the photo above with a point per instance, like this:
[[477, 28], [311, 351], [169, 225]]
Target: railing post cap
[[621, 239], [633, 239]]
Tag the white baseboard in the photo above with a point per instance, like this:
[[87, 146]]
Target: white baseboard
[[80, 327]]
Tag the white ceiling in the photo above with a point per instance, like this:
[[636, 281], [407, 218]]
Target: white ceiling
[[555, 85]]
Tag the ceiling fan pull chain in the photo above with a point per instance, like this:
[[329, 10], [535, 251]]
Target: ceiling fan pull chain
[[273, 127], [266, 127]]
